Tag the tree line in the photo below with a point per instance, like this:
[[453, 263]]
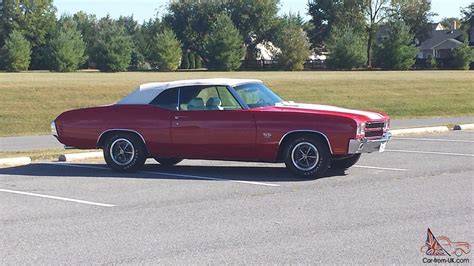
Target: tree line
[[220, 35]]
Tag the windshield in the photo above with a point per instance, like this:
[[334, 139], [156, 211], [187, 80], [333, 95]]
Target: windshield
[[257, 95]]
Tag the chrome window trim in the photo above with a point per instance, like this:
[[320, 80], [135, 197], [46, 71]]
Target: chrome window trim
[[121, 129], [308, 131]]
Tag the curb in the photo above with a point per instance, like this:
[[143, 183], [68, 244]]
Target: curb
[[18, 161], [421, 130], [465, 127], [80, 156]]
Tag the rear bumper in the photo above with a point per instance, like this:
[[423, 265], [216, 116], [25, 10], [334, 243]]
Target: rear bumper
[[367, 145]]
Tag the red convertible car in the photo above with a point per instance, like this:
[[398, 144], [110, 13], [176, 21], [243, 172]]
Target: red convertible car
[[223, 119]]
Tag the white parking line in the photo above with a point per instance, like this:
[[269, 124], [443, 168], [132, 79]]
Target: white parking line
[[432, 152], [178, 175], [380, 168], [56, 198], [440, 140]]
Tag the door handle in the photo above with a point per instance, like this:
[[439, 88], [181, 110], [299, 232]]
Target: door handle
[[178, 117]]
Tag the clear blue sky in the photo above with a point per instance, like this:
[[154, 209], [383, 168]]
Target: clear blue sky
[[145, 9]]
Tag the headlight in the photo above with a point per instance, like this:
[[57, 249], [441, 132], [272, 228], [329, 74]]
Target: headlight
[[54, 131], [360, 129]]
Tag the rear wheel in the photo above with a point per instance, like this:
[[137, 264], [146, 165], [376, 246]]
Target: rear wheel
[[307, 157], [345, 162], [125, 152], [168, 161]]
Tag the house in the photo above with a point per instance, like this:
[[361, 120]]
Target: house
[[441, 43]]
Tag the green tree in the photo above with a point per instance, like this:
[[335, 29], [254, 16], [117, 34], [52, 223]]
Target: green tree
[[255, 20], [417, 16], [166, 51], [192, 21], [35, 19], [293, 45], [113, 47], [197, 61], [347, 49], [224, 46], [67, 47], [467, 14], [185, 60], [396, 50], [87, 25], [375, 11], [463, 56], [17, 52], [326, 14]]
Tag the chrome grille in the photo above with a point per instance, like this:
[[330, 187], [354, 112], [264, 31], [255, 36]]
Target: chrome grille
[[374, 129]]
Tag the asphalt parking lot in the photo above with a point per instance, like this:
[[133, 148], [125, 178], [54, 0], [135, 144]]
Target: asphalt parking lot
[[208, 212]]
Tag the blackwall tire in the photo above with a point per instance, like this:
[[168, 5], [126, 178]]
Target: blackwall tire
[[125, 152], [168, 161], [307, 157], [346, 162]]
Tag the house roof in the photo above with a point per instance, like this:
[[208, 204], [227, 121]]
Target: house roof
[[439, 36], [448, 44], [147, 92]]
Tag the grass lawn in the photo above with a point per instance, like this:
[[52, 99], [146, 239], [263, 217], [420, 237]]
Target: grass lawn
[[29, 101]]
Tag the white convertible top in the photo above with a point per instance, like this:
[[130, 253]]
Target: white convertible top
[[147, 92]]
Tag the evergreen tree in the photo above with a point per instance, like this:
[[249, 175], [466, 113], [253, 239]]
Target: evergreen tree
[[166, 51], [463, 56], [113, 48], [192, 62], [224, 46], [197, 61], [67, 47], [185, 60], [396, 49], [293, 44], [17, 52], [36, 20], [347, 49]]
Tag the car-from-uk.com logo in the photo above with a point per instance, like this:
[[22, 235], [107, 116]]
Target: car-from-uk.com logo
[[441, 249]]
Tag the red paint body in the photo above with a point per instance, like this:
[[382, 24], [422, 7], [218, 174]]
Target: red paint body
[[246, 135]]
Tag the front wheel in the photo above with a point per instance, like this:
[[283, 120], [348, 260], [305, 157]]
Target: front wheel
[[168, 161], [125, 152], [307, 157], [345, 162]]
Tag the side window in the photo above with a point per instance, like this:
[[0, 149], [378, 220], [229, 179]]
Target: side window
[[228, 100], [207, 98], [168, 99]]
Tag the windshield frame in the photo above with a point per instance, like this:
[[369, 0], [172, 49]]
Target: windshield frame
[[247, 106]]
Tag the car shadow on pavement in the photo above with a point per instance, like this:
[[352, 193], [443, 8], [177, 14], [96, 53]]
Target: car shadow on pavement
[[156, 171]]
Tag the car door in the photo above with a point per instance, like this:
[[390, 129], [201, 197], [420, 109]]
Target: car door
[[211, 124]]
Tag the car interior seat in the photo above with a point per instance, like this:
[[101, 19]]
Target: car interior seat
[[196, 104], [214, 103]]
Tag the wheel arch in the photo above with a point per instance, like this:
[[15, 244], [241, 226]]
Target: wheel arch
[[299, 133], [104, 135]]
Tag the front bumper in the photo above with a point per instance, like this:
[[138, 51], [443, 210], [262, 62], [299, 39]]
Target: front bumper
[[367, 145]]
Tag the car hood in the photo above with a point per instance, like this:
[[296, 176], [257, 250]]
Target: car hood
[[327, 109]]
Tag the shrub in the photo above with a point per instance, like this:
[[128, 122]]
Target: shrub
[[67, 49]]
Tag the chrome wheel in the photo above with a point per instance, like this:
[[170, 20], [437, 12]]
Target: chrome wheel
[[122, 151], [305, 156]]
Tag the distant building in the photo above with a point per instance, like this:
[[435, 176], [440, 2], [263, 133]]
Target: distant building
[[441, 43]]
